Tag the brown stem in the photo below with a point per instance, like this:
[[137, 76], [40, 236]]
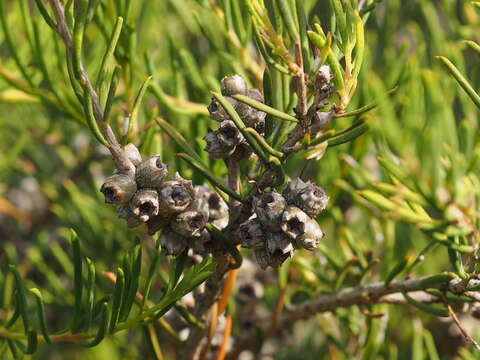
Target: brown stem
[[360, 295], [123, 164]]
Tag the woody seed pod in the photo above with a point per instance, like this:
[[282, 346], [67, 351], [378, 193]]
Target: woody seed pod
[[307, 196], [269, 208], [172, 242], [294, 222], [216, 148], [233, 85], [157, 223], [209, 203], [252, 117], [118, 189], [228, 134], [202, 245], [189, 223], [175, 195], [144, 204], [132, 153], [251, 234], [124, 212], [151, 172], [278, 243], [217, 112], [262, 257]]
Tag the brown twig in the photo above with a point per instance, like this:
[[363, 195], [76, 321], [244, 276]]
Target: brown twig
[[122, 162], [460, 327]]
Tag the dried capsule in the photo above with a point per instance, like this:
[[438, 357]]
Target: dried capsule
[[215, 148], [250, 292], [175, 195], [144, 204], [217, 112], [304, 230], [233, 85], [251, 234], [294, 222], [172, 242], [307, 196], [189, 223], [132, 153], [242, 151], [118, 189], [209, 203], [203, 243], [157, 223], [262, 257], [124, 212], [151, 172], [252, 117], [269, 208], [228, 134], [278, 243]]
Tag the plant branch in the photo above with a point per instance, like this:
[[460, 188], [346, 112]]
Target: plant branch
[[123, 164]]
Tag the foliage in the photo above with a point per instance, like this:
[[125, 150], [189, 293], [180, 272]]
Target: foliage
[[399, 160]]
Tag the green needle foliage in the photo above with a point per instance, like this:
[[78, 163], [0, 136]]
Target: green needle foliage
[[394, 277]]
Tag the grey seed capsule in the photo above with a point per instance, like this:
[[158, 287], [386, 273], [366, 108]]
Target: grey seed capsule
[[233, 85], [211, 205], [124, 212], [269, 208], [262, 257], [172, 242], [175, 195], [151, 172], [251, 233], [144, 204], [189, 223], [157, 223], [228, 134], [307, 196], [252, 117], [132, 153], [311, 236], [217, 112], [278, 243], [202, 245], [118, 189], [294, 222], [215, 148]]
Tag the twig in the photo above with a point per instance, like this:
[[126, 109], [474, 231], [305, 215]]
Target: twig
[[123, 164], [457, 322]]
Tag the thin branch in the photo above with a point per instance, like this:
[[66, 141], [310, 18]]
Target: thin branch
[[118, 154]]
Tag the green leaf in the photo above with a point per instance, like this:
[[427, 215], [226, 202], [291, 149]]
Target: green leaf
[[41, 314], [77, 280], [265, 108]]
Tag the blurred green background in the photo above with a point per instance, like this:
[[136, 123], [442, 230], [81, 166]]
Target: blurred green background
[[51, 167]]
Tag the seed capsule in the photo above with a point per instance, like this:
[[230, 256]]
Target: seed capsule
[[262, 257], [212, 206], [307, 196], [252, 117], [251, 234], [269, 208], [118, 189], [216, 148], [278, 243], [189, 223], [175, 195], [132, 153], [144, 204], [124, 212], [228, 134], [233, 85], [217, 112], [304, 230], [203, 244], [294, 222], [172, 242], [151, 172], [157, 223]]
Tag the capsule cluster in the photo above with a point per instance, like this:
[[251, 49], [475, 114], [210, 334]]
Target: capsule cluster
[[174, 206], [227, 140], [284, 222]]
